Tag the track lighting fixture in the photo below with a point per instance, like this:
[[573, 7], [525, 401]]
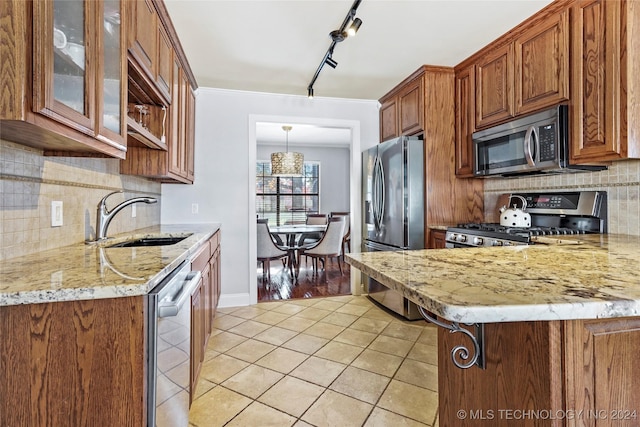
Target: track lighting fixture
[[349, 28], [330, 62]]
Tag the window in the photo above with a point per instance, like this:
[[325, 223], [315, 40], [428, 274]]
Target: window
[[287, 200]]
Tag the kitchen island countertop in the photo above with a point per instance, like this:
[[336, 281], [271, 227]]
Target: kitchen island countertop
[[596, 278], [91, 271]]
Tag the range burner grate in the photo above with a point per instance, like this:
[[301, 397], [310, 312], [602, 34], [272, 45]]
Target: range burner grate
[[533, 231]]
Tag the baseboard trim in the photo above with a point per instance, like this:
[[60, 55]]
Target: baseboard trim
[[234, 300]]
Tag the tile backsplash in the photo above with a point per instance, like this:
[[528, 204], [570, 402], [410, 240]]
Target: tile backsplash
[[29, 182], [621, 182]]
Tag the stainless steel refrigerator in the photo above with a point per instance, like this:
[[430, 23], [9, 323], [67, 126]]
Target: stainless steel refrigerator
[[393, 209]]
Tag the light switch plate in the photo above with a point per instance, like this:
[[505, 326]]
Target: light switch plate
[[56, 279], [56, 213], [133, 211]]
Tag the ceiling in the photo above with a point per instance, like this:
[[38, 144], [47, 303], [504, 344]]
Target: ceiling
[[276, 46], [303, 134]]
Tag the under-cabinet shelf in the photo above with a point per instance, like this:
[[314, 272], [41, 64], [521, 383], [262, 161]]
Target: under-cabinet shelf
[[135, 130]]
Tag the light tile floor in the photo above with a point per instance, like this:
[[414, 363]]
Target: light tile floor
[[334, 361]]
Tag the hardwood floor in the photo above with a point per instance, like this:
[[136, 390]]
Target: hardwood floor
[[327, 282]]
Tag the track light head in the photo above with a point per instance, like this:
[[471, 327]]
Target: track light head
[[354, 27], [331, 62]]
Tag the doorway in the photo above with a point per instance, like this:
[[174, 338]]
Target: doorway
[[317, 134]]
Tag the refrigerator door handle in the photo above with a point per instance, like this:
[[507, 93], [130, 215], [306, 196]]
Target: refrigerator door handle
[[378, 193], [383, 195], [374, 194]]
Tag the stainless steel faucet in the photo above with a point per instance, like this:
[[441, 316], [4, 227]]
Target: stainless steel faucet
[[104, 215]]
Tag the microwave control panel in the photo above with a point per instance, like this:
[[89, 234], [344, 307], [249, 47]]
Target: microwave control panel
[[547, 135]]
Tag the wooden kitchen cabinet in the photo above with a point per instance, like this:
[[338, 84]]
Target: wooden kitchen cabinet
[[174, 165], [542, 64], [143, 36], [411, 107], [437, 239], [172, 161], [526, 70], [198, 336], [150, 51], [604, 108], [586, 368], [447, 197], [216, 276], [190, 133], [465, 120], [523, 372], [603, 368], [389, 119], [74, 363], [402, 110], [179, 111], [204, 301], [64, 75], [165, 61], [494, 86]]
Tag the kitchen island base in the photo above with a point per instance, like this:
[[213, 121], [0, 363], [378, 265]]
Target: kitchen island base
[[73, 363], [571, 373]]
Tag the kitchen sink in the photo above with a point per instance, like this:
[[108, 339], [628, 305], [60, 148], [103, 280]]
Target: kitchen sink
[[150, 241]]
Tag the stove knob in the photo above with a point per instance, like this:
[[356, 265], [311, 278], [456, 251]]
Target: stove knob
[[452, 236], [507, 244], [462, 238], [496, 243], [478, 241]]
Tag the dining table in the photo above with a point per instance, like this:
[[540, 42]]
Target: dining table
[[292, 232], [292, 235]]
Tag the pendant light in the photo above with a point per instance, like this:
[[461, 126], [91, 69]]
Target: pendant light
[[287, 164]]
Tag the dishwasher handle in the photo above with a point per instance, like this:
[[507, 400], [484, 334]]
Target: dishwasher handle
[[171, 307]]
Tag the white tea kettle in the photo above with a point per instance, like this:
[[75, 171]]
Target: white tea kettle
[[515, 217]]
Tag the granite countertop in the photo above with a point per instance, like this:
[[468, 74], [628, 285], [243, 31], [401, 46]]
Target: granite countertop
[[585, 277], [92, 271]]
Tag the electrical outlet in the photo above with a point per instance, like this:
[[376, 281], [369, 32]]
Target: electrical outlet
[[194, 208], [56, 279], [133, 210], [56, 213]]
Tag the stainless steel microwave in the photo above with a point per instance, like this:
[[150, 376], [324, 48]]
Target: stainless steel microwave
[[533, 144]]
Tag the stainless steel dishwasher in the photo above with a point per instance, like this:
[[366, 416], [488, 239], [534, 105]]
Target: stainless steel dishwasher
[[169, 348]]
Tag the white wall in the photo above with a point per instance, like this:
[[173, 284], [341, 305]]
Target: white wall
[[225, 156], [335, 167]]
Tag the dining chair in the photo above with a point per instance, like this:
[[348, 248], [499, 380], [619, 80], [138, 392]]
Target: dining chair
[[311, 238], [329, 246], [277, 239], [346, 239], [317, 219], [267, 248]]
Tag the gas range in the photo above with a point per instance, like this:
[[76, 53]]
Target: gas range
[[552, 214]]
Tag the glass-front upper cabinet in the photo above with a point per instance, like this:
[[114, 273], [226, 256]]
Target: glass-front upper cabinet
[[80, 66], [113, 88]]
